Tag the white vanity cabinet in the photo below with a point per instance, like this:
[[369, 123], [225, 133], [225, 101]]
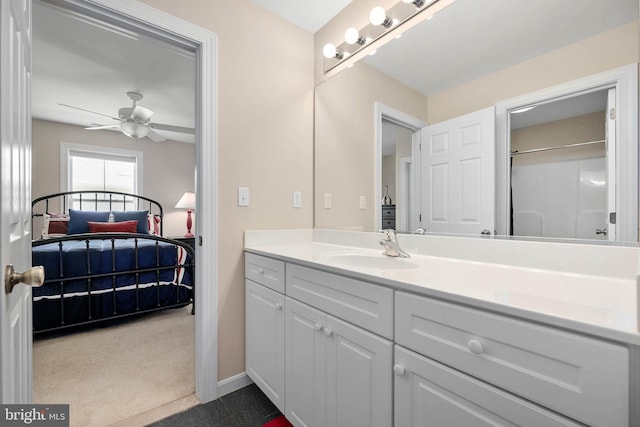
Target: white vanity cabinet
[[428, 393], [264, 326], [336, 373], [581, 378]]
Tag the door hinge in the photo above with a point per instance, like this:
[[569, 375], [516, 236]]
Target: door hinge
[[612, 218], [612, 114], [420, 217]]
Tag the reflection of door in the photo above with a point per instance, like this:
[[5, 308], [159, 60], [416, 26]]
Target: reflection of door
[[15, 212], [457, 174]]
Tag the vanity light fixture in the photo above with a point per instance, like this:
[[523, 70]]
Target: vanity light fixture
[[329, 51], [352, 36], [379, 17]]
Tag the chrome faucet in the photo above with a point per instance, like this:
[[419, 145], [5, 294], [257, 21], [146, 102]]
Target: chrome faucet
[[391, 245]]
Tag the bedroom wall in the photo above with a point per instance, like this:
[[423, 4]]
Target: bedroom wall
[[265, 140], [167, 166]]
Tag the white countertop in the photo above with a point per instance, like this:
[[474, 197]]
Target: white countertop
[[592, 302]]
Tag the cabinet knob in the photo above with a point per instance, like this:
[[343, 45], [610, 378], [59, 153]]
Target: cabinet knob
[[475, 347], [278, 306], [328, 332], [261, 271], [317, 327], [399, 370]]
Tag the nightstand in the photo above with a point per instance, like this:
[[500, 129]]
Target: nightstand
[[191, 241]]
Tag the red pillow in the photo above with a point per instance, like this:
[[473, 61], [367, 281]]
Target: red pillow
[[113, 227]]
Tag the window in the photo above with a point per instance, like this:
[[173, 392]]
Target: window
[[89, 168]]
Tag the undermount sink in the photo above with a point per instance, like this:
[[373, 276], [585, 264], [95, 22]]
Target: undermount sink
[[377, 261]]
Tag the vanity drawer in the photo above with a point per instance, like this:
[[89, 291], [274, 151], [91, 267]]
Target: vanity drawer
[[583, 378], [363, 304], [266, 271]]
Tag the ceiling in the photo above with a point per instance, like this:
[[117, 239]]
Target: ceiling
[[310, 15], [91, 65]]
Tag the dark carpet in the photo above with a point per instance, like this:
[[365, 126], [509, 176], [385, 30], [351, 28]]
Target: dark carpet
[[247, 407]]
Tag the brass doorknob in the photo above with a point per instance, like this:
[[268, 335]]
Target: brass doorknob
[[32, 277]]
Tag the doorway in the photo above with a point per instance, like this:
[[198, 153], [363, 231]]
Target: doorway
[[622, 168], [561, 185], [397, 169], [125, 14]]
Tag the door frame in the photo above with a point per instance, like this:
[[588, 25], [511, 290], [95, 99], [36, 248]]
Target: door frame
[[382, 111], [625, 80], [169, 28]]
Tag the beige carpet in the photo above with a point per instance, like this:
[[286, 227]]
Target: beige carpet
[[110, 374]]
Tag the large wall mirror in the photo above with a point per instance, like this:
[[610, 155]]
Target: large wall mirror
[[510, 117]]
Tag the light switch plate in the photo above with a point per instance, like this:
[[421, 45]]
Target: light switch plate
[[327, 200], [243, 196], [297, 199], [363, 202]]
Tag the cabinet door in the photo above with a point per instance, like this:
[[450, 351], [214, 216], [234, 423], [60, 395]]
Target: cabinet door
[[429, 394], [265, 341], [305, 347], [359, 376]]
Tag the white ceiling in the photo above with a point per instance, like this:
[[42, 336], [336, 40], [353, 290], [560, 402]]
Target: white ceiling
[[91, 65], [310, 15]]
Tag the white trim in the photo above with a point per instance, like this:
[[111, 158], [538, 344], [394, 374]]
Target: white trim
[[403, 215], [204, 42], [625, 80], [383, 111], [231, 384], [66, 147]]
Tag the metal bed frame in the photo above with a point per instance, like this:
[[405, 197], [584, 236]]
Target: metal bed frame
[[153, 207]]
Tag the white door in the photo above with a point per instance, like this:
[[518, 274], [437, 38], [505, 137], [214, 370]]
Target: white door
[[305, 348], [265, 341], [15, 192], [358, 376], [611, 163], [457, 174]]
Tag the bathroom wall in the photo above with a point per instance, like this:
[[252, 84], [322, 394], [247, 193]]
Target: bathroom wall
[[605, 51], [265, 140], [345, 141], [162, 180]]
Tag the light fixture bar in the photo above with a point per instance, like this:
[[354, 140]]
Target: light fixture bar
[[374, 35]]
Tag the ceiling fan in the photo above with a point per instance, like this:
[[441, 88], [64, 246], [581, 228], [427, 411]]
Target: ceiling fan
[[135, 121]]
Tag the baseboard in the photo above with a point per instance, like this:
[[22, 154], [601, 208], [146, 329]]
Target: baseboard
[[231, 384]]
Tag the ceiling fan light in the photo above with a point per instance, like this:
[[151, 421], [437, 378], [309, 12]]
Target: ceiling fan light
[[133, 129]]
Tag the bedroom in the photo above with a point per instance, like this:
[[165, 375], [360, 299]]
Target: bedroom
[[66, 157]]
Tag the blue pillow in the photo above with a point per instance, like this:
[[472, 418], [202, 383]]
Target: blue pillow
[[140, 216], [78, 220]]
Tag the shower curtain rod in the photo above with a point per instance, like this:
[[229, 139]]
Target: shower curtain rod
[[536, 150]]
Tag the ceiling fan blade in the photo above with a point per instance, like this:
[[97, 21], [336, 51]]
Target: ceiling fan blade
[[113, 126], [155, 137], [171, 128], [89, 111], [141, 114]]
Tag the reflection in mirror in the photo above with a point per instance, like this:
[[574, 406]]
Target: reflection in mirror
[[474, 55], [559, 176]]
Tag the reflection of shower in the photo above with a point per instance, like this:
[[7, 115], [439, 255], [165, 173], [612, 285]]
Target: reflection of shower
[[559, 169]]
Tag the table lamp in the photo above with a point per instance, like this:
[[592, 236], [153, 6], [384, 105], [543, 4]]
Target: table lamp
[[188, 202]]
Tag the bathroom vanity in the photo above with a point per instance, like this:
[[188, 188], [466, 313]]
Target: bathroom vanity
[[467, 331]]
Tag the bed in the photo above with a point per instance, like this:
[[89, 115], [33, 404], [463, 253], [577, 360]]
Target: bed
[[105, 258]]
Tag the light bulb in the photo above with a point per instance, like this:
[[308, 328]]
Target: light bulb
[[329, 51], [377, 16], [351, 36]]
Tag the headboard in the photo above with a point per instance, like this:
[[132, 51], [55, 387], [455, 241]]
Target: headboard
[[94, 200]]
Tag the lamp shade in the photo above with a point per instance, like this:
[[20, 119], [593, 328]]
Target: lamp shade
[[187, 201]]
